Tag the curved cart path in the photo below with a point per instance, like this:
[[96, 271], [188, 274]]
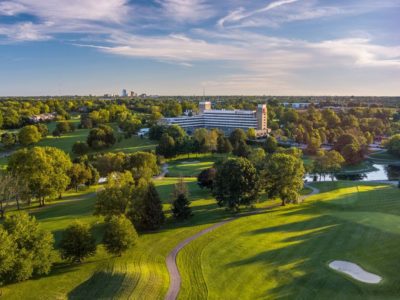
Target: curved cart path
[[175, 277]]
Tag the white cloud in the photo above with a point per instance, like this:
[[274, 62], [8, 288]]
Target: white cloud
[[186, 10], [24, 32], [241, 14], [95, 10]]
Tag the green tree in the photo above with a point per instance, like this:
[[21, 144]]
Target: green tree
[[7, 255], [79, 174], [80, 148], [236, 183], [270, 145], [43, 129], [206, 178], [181, 208], [115, 198], [119, 235], [101, 137], [283, 177], [236, 137], [257, 156], [166, 146], [42, 169], [251, 134], [77, 243], [33, 248], [142, 165], [147, 212], [393, 145], [223, 145], [242, 150], [9, 139], [29, 135]]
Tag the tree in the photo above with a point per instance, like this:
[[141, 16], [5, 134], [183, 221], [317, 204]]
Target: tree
[[29, 135], [181, 208], [65, 127], [328, 162], [393, 145], [9, 139], [166, 146], [251, 134], [80, 148], [142, 165], [110, 162], [101, 137], [236, 136], [119, 235], [30, 248], [223, 145], [7, 255], [270, 145], [43, 129], [236, 183], [242, 149], [180, 188], [206, 178], [283, 177], [257, 156], [147, 212], [79, 174], [42, 169], [77, 243], [115, 198]]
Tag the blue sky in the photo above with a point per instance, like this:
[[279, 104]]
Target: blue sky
[[171, 47]]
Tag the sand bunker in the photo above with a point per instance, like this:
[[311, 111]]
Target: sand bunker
[[355, 271], [189, 162]]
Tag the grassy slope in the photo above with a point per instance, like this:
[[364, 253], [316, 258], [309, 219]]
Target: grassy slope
[[191, 167], [140, 273], [284, 253]]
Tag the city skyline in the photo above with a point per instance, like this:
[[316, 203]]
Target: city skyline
[[179, 47]]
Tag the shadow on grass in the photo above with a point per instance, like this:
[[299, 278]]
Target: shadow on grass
[[101, 285]]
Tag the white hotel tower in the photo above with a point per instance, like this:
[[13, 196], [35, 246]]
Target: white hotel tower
[[226, 120]]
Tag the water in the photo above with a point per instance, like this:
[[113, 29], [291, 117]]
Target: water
[[382, 172]]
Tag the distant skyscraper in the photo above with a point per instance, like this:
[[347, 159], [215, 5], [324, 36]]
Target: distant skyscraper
[[124, 93]]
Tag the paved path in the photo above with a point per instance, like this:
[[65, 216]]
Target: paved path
[[175, 277], [164, 171]]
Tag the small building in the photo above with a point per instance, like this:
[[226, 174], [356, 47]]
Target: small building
[[143, 132]]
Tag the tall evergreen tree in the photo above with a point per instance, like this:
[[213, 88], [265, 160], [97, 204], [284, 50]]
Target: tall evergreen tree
[[181, 208], [147, 212]]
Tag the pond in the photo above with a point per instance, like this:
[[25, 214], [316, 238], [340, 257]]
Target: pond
[[381, 172]]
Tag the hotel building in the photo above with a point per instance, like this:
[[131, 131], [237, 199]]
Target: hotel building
[[225, 120]]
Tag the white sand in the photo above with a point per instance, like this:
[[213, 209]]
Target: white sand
[[355, 271]]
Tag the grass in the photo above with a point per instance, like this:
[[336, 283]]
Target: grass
[[139, 274], [383, 157], [283, 254], [191, 167]]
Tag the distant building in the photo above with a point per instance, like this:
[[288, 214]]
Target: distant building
[[297, 105], [225, 120], [133, 94], [124, 93], [43, 118]]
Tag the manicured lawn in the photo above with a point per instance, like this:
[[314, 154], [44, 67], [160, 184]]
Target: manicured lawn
[[364, 166], [191, 167], [384, 157], [141, 273], [284, 254]]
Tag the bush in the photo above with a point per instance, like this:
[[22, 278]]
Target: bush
[[77, 243], [119, 235]]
